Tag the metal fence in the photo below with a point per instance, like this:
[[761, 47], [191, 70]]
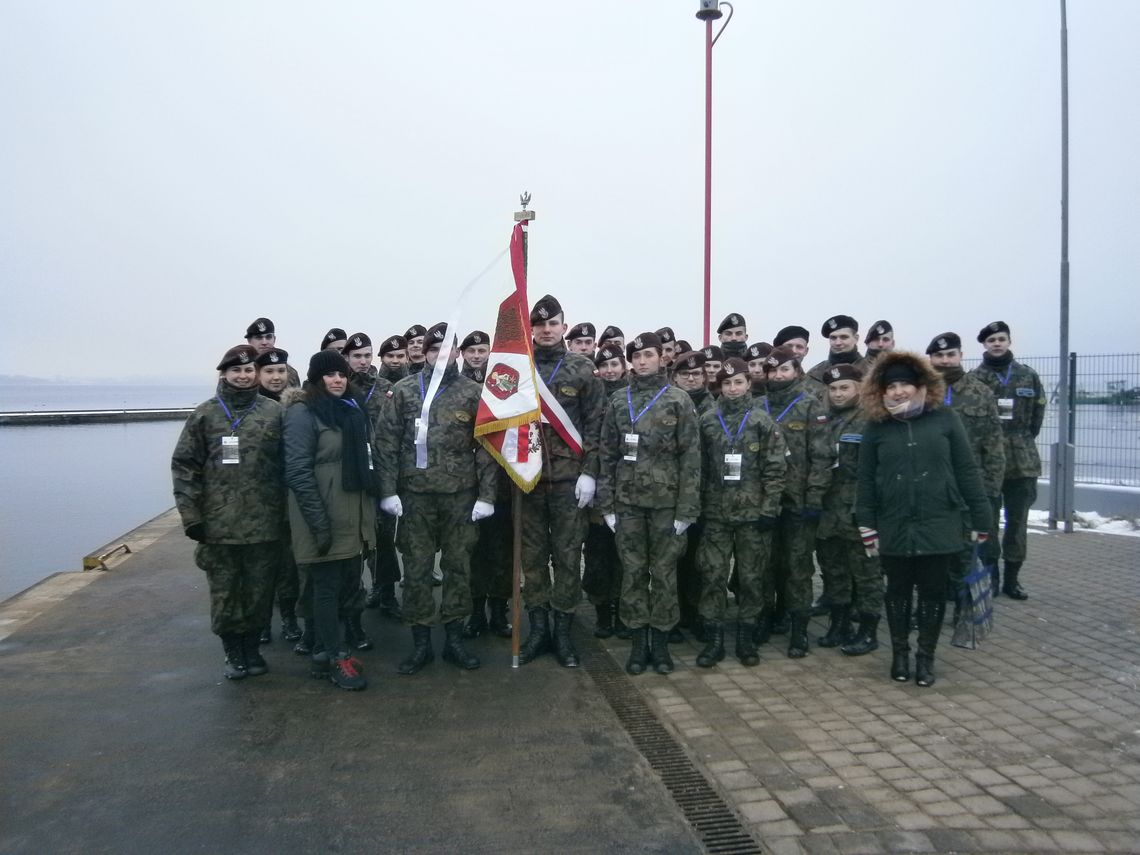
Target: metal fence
[[1105, 426]]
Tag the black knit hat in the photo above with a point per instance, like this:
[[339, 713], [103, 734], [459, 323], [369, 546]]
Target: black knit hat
[[326, 362], [357, 341], [415, 331], [335, 334], [611, 332], [788, 333], [900, 371], [242, 354], [607, 353], [779, 356], [733, 320], [993, 329], [666, 335], [273, 356], [878, 328], [583, 330], [839, 322], [689, 361], [713, 353], [473, 339], [944, 341], [643, 341], [731, 368], [262, 326], [842, 371], [758, 351], [546, 308], [392, 343]]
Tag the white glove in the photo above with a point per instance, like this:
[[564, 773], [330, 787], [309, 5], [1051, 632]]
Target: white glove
[[584, 489], [481, 511], [392, 506], [611, 521], [680, 527], [979, 537]]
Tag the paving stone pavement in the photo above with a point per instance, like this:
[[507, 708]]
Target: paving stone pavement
[[1029, 744]]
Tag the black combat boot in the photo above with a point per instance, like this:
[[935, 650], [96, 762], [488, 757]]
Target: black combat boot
[[930, 616], [389, 605], [781, 622], [866, 638], [839, 630], [745, 646], [699, 629], [639, 651], [714, 645], [266, 635], [1010, 586], [500, 623], [676, 636], [255, 664], [563, 646], [898, 622], [659, 651], [995, 580], [421, 653], [822, 605], [762, 632], [304, 645], [354, 634], [606, 614], [797, 636], [453, 649], [290, 630], [477, 622], [538, 641], [235, 657]]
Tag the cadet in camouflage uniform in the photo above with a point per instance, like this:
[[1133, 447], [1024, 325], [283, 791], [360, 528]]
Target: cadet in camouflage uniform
[[688, 375], [601, 579], [261, 335], [1021, 405], [414, 336], [803, 422], [649, 494], [668, 346], [475, 349], [794, 338], [714, 359], [439, 504], [755, 356], [553, 514], [743, 467], [880, 339], [733, 335], [974, 403], [230, 491], [334, 339], [842, 334], [853, 578], [581, 339], [394, 358], [612, 335]]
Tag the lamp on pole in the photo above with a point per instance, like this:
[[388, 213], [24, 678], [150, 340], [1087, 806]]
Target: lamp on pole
[[708, 12]]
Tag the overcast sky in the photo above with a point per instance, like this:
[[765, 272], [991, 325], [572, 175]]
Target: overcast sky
[[168, 172]]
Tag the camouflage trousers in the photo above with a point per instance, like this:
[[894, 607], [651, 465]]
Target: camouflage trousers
[[602, 578], [384, 564], [1018, 496], [241, 579], [553, 529], [849, 575], [689, 575], [436, 522], [649, 549], [288, 582], [792, 564], [752, 550], [492, 562]]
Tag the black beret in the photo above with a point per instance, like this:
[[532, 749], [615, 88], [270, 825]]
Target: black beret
[[474, 338], [732, 366], [611, 332], [758, 351], [690, 361], [643, 341], [357, 341], [839, 322], [945, 341], [666, 335], [993, 329], [607, 353], [242, 354], [434, 335], [546, 308], [335, 334], [733, 320], [395, 342], [326, 362], [262, 326], [877, 329], [415, 331], [585, 330], [779, 356], [713, 353], [683, 346], [273, 356], [843, 371], [788, 333]]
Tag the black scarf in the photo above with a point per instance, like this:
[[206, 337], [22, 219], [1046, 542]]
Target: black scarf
[[997, 362], [951, 373], [845, 358], [349, 419], [265, 393], [733, 348]]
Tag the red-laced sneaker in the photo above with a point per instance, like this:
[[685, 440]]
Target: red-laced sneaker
[[345, 674]]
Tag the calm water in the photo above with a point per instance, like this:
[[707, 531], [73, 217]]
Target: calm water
[[59, 396]]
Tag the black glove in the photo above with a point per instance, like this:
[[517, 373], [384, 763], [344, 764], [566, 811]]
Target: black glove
[[324, 543], [367, 554], [196, 531], [766, 523]]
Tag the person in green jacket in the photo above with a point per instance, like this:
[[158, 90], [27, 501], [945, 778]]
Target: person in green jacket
[[917, 476], [1021, 406], [649, 494], [743, 465]]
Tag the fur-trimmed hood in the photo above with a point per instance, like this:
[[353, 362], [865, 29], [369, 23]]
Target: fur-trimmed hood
[[292, 395], [871, 395]]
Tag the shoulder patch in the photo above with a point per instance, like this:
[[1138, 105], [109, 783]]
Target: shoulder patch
[[568, 391], [820, 419], [462, 416], [1026, 392]]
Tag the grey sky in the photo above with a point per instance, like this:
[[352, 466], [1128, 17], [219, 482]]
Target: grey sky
[[171, 171]]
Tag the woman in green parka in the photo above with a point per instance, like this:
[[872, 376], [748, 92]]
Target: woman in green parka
[[917, 482]]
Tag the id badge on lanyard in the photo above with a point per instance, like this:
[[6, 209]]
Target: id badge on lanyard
[[230, 453], [732, 462], [368, 453], [631, 440], [1005, 409]]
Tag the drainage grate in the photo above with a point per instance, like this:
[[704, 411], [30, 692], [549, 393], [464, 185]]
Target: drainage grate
[[717, 826]]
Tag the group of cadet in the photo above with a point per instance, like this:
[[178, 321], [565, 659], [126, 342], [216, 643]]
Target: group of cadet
[[693, 473]]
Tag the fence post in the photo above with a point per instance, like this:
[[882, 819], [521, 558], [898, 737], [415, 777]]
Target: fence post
[[1062, 472]]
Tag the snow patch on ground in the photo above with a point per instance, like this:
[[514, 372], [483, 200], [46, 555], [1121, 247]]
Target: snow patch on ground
[[1091, 521]]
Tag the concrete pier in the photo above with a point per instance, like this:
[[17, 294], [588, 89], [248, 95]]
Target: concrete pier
[[93, 417]]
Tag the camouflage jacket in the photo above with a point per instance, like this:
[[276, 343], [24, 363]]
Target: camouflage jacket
[[570, 377], [476, 374], [374, 391], [611, 386], [975, 405], [845, 433], [703, 401], [817, 370], [237, 503], [1021, 408], [667, 469], [456, 460], [763, 462], [803, 422]]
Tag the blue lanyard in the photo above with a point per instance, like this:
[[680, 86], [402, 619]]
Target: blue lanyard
[[629, 400], [230, 416], [732, 439], [348, 402], [368, 397], [550, 379], [442, 386], [1005, 380], [949, 399], [780, 417]]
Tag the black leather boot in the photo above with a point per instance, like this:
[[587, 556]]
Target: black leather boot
[[898, 621], [453, 649], [604, 625], [639, 651], [563, 645], [538, 640], [304, 645], [389, 605], [797, 636], [714, 645], [930, 616], [745, 648], [500, 623], [839, 629], [255, 664], [1010, 587], [421, 653], [235, 657], [290, 630], [354, 634], [866, 638], [762, 633], [659, 651], [477, 623]]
